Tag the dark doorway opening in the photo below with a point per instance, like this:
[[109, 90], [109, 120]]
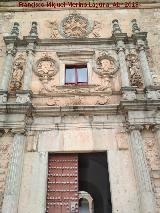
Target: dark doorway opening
[[94, 179]]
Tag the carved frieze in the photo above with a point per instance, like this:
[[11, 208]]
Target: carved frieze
[[46, 68], [79, 100], [17, 74], [134, 71]]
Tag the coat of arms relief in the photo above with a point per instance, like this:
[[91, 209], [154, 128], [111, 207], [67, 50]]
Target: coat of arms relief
[[74, 26]]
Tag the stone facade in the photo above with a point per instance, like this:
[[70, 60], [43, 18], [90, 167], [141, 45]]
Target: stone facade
[[117, 112]]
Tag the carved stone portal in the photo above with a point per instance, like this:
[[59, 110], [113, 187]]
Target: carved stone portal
[[46, 69], [75, 26], [17, 74], [134, 69]]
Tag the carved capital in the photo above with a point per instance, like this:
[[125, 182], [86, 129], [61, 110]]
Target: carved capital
[[11, 51], [23, 98], [157, 127], [152, 94], [3, 98], [135, 28], [33, 31], [2, 132], [15, 29], [18, 131], [120, 46], [135, 127], [116, 27]]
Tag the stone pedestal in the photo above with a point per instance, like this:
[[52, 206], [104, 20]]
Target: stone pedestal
[[13, 182], [146, 196]]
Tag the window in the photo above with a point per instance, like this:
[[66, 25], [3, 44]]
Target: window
[[76, 74]]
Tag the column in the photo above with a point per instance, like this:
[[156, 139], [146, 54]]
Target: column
[[157, 130], [145, 193], [24, 96], [13, 181], [140, 38], [7, 67], [119, 37]]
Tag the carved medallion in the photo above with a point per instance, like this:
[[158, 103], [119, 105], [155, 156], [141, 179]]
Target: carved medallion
[[75, 26], [46, 68], [134, 70], [106, 65], [17, 74]]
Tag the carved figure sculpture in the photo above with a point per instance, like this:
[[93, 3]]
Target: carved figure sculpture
[[17, 74], [134, 70]]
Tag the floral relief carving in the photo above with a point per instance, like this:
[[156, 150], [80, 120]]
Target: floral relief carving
[[75, 26], [46, 69], [96, 29], [102, 100], [134, 71], [17, 74], [53, 25]]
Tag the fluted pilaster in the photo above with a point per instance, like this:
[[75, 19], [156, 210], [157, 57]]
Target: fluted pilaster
[[13, 181], [146, 196]]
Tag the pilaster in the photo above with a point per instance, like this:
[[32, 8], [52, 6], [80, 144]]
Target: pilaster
[[146, 196], [25, 95], [119, 37], [13, 181], [7, 67]]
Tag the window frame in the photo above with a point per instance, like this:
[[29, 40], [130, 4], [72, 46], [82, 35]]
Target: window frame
[[76, 66]]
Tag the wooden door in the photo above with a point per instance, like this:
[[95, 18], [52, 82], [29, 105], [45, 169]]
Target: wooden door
[[62, 189]]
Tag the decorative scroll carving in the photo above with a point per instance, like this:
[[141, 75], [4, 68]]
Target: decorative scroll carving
[[102, 100], [96, 29], [54, 29], [134, 69], [46, 69], [105, 85], [76, 100], [106, 65], [17, 74], [75, 26]]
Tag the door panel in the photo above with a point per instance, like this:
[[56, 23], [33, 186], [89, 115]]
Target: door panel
[[62, 190]]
